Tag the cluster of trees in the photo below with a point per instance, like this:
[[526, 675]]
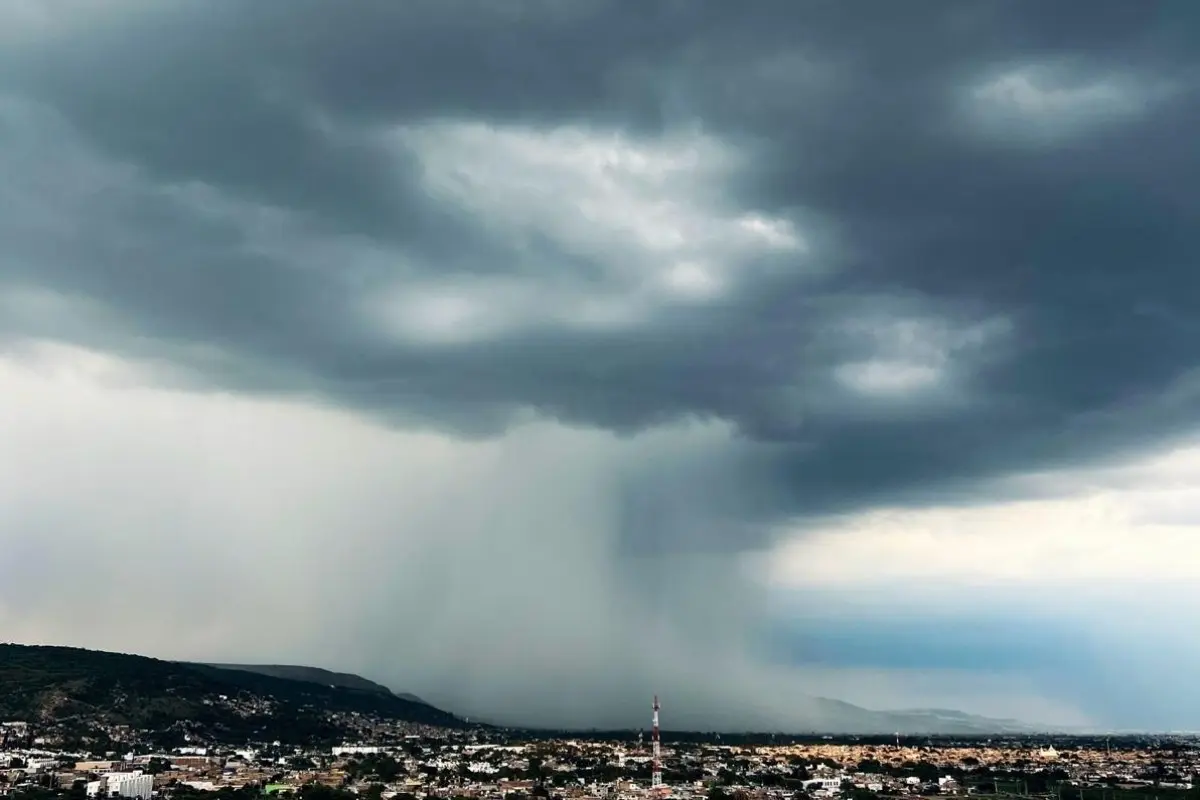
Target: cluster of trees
[[981, 778], [1137, 793], [374, 766]]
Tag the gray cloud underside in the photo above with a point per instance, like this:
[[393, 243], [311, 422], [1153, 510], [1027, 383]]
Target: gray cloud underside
[[1077, 237]]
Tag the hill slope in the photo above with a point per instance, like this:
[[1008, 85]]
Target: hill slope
[[345, 680], [841, 717], [228, 702], [86, 687]]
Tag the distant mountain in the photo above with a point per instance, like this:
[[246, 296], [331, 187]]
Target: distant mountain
[[836, 716], [410, 697], [964, 722], [86, 687], [241, 702], [839, 718], [317, 675]]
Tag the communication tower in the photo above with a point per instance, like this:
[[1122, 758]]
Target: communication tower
[[656, 764]]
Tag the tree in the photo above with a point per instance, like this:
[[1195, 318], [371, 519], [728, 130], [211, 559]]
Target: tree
[[729, 778], [535, 771], [387, 768], [319, 791], [157, 765], [925, 771]]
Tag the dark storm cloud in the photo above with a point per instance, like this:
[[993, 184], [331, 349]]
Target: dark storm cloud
[[1076, 232]]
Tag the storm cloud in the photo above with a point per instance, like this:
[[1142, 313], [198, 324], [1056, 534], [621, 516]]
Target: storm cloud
[[666, 284]]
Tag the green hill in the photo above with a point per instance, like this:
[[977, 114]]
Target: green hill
[[78, 688], [310, 674], [318, 675]]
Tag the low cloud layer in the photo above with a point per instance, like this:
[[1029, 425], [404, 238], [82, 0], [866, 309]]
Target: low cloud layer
[[495, 349]]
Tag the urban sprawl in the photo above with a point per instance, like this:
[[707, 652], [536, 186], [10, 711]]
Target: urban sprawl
[[399, 760]]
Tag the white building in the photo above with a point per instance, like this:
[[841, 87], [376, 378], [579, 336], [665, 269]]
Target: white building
[[346, 750], [122, 784], [824, 784]]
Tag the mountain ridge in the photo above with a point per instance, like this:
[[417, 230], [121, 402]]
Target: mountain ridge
[[86, 690], [905, 721], [941, 720], [295, 672], [59, 682]]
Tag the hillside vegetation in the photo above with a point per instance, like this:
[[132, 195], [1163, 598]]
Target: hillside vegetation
[[318, 675], [310, 674], [86, 687]]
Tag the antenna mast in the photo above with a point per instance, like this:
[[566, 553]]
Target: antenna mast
[[656, 764]]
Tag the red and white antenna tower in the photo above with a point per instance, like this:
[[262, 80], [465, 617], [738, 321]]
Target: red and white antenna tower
[[656, 764]]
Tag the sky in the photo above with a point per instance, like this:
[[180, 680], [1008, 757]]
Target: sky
[[535, 357]]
